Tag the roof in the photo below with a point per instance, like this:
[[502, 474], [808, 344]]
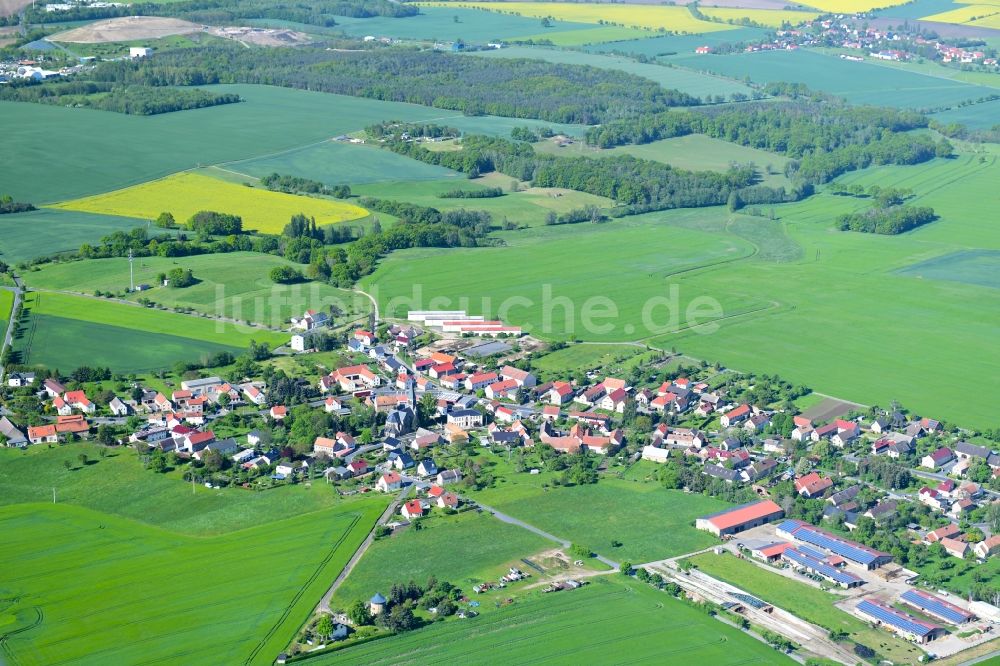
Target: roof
[[806, 559], [743, 514], [774, 550], [855, 552], [944, 453], [892, 617], [936, 606], [378, 599]]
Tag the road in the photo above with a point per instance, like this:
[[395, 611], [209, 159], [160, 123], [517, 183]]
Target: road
[[374, 304], [8, 339], [324, 603]]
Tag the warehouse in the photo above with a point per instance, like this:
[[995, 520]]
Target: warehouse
[[899, 622], [856, 553], [740, 518], [929, 604], [807, 560]]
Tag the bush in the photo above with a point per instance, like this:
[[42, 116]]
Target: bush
[[285, 275]]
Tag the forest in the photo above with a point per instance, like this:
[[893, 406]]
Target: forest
[[889, 221], [105, 96]]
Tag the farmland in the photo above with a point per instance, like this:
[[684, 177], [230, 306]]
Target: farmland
[[649, 17], [637, 514], [851, 6], [581, 358], [465, 549], [560, 629], [234, 285], [987, 16], [672, 45], [858, 82], [46, 231], [772, 18], [801, 599], [69, 331], [6, 303], [82, 589], [185, 194]]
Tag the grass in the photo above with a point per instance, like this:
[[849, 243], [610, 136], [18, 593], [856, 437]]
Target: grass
[[581, 358], [676, 78], [976, 116], [559, 628], [26, 236], [234, 285], [805, 601], [695, 152], [185, 194], [650, 522], [527, 207], [570, 38], [650, 17], [858, 82], [772, 18], [6, 305], [671, 45], [464, 549]]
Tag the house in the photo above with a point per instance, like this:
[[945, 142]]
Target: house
[[961, 507], [812, 485], [332, 404], [402, 461], [449, 476], [350, 379], [118, 408], [425, 439], [614, 401], [987, 548], [311, 320], [447, 501], [759, 469], [720, 472], [560, 393], [20, 379], [802, 433], [357, 467], [466, 418], [882, 510], [954, 547], [53, 388], [950, 531], [78, 400], [389, 482], [412, 509], [655, 454], [735, 416], [967, 451], [11, 432], [844, 437], [279, 412], [520, 377], [73, 424], [427, 468], [844, 496], [45, 434], [365, 337], [937, 459], [254, 394], [500, 390], [480, 380]]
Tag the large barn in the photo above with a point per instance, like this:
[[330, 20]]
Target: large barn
[[740, 518]]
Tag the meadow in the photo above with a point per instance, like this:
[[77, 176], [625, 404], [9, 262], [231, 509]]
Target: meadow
[[234, 285], [805, 601], [185, 194], [858, 82], [464, 550], [671, 45], [975, 116], [675, 78], [6, 305], [649, 17], [651, 522], [559, 628], [573, 38], [40, 233], [772, 18], [581, 358]]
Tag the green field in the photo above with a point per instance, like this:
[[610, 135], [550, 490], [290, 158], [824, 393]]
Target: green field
[[235, 285], [977, 116], [858, 82], [650, 522], [581, 358], [980, 267], [670, 45], [27, 236], [584, 626], [6, 305], [465, 549], [684, 80], [80, 588], [526, 207], [65, 331], [805, 601], [576, 38], [695, 152]]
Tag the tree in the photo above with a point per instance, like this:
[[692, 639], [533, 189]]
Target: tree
[[324, 627], [180, 278], [212, 460], [626, 568], [359, 614], [993, 517], [446, 608], [166, 221], [285, 275], [82, 458]]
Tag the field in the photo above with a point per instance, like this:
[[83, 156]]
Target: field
[[851, 6], [46, 231], [983, 15], [526, 207], [671, 45], [69, 331], [858, 82], [464, 550], [801, 599], [773, 18], [581, 358], [676, 78], [976, 116], [6, 305], [980, 267], [695, 152], [634, 620], [127, 29], [572, 38], [185, 194], [234, 285], [649, 17], [650, 522]]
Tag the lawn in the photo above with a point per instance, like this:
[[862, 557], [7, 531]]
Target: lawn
[[235, 285], [185, 194], [772, 18], [650, 17], [581, 358], [634, 620], [6, 305], [26, 236], [858, 82], [805, 601], [651, 522], [676, 78], [464, 549]]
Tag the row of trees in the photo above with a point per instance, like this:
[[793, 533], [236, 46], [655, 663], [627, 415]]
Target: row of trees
[[107, 96], [8, 205], [889, 221]]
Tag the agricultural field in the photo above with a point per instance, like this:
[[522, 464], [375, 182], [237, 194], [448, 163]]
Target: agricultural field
[[126, 29], [693, 83], [574, 38], [976, 116], [234, 285], [772, 18], [69, 331], [982, 15], [559, 628], [6, 305], [185, 194], [46, 231], [648, 17], [858, 82], [980, 267], [695, 152], [581, 358], [851, 6], [672, 45], [464, 549], [639, 515], [526, 207], [82, 592], [805, 601]]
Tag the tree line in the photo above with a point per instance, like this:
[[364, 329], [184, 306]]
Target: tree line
[[107, 96], [888, 221]]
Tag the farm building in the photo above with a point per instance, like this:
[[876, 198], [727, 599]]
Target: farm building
[[927, 603], [817, 563], [740, 518], [856, 553], [899, 622]]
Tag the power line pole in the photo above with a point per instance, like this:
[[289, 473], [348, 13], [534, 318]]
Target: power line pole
[[131, 271]]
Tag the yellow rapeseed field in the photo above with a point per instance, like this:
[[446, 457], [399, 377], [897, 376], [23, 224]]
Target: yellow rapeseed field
[[851, 6], [650, 17], [980, 14], [770, 17], [184, 194]]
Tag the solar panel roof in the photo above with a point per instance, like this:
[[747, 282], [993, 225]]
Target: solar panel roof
[[895, 618], [821, 567], [936, 606]]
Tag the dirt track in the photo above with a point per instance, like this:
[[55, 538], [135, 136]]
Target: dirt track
[[126, 29]]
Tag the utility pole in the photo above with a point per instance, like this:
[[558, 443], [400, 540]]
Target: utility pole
[[131, 271], [53, 494]]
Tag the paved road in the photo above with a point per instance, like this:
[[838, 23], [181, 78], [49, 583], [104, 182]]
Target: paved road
[[8, 339]]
